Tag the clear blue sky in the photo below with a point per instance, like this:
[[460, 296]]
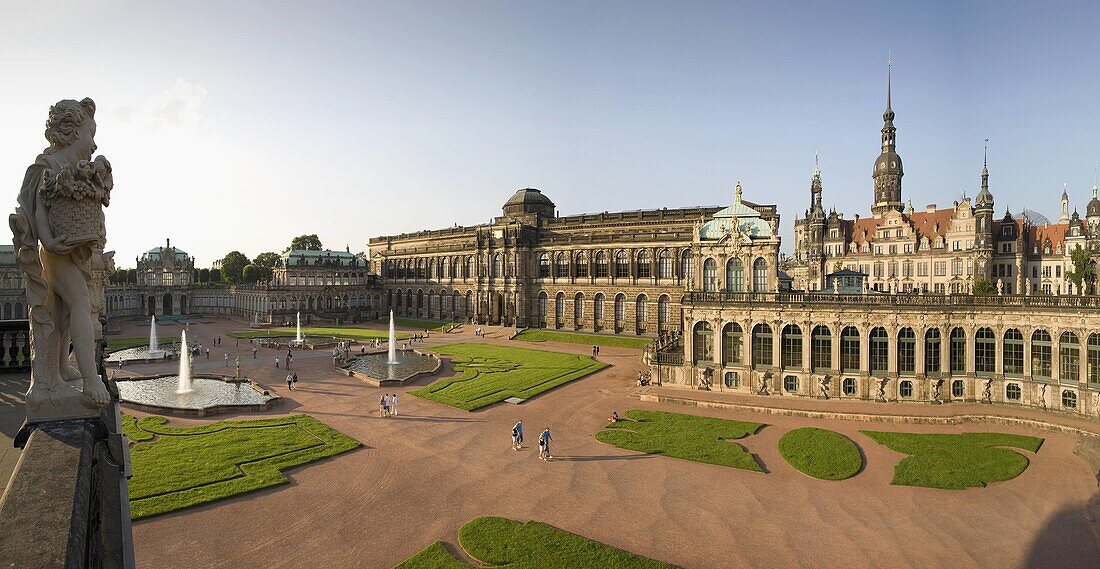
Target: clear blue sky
[[237, 125]]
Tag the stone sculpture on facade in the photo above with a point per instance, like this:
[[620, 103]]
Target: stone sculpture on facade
[[764, 384], [987, 391], [825, 386], [881, 397], [936, 387], [59, 235]]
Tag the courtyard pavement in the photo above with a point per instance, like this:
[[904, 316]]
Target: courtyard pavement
[[421, 475]]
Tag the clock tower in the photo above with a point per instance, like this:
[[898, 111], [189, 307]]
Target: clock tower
[[888, 171]]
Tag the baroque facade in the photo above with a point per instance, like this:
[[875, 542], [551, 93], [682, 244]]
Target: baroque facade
[[620, 273], [324, 286], [856, 330]]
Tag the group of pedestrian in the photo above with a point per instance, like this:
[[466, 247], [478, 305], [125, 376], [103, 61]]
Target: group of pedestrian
[[479, 332], [544, 440], [289, 359], [387, 405], [291, 379], [418, 337], [595, 351]]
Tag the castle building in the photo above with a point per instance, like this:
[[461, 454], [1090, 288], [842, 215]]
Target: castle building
[[850, 331], [938, 250], [619, 273]]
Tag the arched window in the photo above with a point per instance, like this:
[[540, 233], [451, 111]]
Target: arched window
[[601, 265], [597, 308], [544, 266], [445, 268], [821, 349], [1013, 352], [687, 267], [641, 313], [561, 266], [622, 265], [702, 340], [543, 301], [1093, 358], [581, 267], [1042, 354], [620, 311], [731, 344], [957, 352], [664, 264], [1069, 399], [907, 352], [471, 267], [985, 351], [849, 350], [559, 309], [735, 275], [762, 346], [662, 311], [1069, 358], [578, 310], [644, 264], [880, 351], [498, 266], [760, 275], [710, 276], [791, 347], [932, 351]]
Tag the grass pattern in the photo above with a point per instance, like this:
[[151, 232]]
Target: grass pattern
[[690, 437], [501, 542], [490, 374], [821, 453], [536, 335], [959, 461], [180, 467]]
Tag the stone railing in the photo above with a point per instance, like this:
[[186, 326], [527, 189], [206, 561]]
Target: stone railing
[[898, 300], [15, 345]]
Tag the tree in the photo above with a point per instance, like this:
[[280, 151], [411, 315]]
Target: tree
[[266, 260], [215, 276], [1082, 273], [131, 276], [307, 242], [984, 286], [204, 275], [232, 265], [195, 276], [250, 274]]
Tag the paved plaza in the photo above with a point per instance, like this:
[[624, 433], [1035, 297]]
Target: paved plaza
[[422, 475]]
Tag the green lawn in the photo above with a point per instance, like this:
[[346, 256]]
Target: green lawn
[[180, 467], [490, 374], [820, 453], [537, 335], [418, 323], [701, 439], [501, 542], [348, 333], [956, 461], [116, 344]]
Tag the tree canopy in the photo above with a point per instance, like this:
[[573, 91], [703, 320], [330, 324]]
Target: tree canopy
[[233, 265], [1082, 273], [266, 260], [984, 286], [307, 242]]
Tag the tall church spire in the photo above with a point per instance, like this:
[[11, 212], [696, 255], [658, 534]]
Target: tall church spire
[[888, 170], [816, 211]]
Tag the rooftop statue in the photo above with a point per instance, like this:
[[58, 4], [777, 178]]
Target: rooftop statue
[[58, 233]]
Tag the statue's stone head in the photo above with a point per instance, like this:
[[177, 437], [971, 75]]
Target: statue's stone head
[[72, 123]]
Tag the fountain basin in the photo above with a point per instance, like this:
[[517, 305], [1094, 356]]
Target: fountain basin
[[375, 370], [141, 354], [307, 342], [209, 395]]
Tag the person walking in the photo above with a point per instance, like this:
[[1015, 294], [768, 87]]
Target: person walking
[[515, 439], [253, 352], [593, 351], [518, 428], [290, 382], [276, 362], [382, 406], [208, 352], [544, 445], [385, 405], [393, 404], [295, 375], [289, 360], [227, 359]]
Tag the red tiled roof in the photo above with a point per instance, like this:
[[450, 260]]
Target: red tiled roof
[[925, 223], [1056, 232]]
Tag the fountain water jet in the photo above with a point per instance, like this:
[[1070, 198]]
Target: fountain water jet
[[154, 347], [185, 366], [298, 336], [393, 344]]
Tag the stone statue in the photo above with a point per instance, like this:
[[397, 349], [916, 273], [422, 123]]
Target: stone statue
[[882, 389], [1000, 287], [238, 373], [936, 387], [1027, 286], [59, 233], [825, 386], [987, 391], [764, 384], [1043, 395]]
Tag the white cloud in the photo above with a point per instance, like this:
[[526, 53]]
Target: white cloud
[[179, 107]]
